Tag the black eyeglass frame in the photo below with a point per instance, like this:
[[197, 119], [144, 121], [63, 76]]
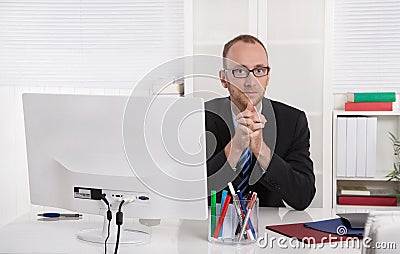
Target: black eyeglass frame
[[268, 68]]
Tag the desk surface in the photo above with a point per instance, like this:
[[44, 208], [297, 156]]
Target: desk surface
[[28, 235]]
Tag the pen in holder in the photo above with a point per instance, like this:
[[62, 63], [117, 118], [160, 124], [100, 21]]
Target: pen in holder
[[232, 228]]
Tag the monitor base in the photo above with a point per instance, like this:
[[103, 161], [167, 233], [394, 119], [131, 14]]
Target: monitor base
[[132, 234]]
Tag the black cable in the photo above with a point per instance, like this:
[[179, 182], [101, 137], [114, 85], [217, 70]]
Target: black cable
[[109, 218], [119, 220], [108, 235]]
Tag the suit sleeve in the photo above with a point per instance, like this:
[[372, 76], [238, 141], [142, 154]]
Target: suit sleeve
[[219, 172], [292, 176]]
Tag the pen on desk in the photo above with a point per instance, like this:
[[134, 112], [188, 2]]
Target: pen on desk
[[248, 197], [223, 197], [239, 228], [213, 210], [57, 215], [252, 201], [252, 233], [236, 204], [222, 216]]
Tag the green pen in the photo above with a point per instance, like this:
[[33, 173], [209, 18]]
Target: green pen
[[224, 193], [213, 211]]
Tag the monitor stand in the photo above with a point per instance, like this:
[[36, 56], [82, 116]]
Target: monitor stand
[[130, 234]]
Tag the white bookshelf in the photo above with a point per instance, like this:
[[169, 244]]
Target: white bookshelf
[[377, 178], [386, 121], [366, 113], [363, 209]]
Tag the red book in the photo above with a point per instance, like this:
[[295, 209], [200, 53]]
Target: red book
[[368, 106], [367, 200]]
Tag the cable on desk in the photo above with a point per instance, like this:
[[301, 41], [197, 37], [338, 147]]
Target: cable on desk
[[119, 220], [109, 218]]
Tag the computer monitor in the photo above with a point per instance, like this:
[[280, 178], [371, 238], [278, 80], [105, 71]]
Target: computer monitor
[[150, 149]]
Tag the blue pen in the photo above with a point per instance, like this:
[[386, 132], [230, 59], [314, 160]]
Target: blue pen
[[224, 193], [245, 211], [57, 215]]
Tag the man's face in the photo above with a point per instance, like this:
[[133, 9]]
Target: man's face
[[250, 89]]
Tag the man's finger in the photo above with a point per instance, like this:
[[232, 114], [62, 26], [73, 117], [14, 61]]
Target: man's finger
[[255, 134], [257, 126], [250, 107], [258, 118], [245, 129], [245, 121], [245, 114], [262, 118], [255, 116]]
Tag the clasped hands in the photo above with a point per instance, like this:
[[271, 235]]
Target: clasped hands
[[249, 130], [249, 134]]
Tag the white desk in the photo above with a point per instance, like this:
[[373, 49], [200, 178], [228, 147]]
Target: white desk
[[28, 235]]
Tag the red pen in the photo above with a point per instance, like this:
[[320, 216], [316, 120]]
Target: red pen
[[222, 216], [246, 220]]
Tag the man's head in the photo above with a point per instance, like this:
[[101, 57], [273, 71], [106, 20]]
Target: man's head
[[242, 54]]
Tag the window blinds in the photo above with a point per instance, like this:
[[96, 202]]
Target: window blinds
[[101, 43], [366, 50]]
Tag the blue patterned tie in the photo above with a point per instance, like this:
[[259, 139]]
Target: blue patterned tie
[[244, 162]]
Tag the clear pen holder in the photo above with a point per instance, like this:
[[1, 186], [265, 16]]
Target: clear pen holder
[[230, 232]]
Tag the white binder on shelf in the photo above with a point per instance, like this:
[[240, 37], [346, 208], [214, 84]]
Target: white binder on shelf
[[351, 146], [361, 160], [341, 147], [371, 146]]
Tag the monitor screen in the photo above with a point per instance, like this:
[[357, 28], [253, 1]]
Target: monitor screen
[[149, 148]]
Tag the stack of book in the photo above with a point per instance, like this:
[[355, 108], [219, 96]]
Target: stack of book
[[360, 195], [382, 101], [356, 146]]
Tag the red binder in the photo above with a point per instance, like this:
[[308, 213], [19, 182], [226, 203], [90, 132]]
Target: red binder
[[368, 106], [367, 200], [304, 234]]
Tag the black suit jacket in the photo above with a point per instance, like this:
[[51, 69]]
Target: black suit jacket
[[289, 176]]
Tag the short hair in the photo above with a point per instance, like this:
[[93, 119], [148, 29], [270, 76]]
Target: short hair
[[246, 38]]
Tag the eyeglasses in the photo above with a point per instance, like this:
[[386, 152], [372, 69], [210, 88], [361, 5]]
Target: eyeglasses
[[244, 72]]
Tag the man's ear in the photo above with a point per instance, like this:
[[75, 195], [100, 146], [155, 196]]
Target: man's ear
[[222, 78]]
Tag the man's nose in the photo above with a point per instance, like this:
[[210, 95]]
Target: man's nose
[[251, 80]]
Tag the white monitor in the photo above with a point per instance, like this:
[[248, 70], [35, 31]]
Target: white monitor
[[148, 148]]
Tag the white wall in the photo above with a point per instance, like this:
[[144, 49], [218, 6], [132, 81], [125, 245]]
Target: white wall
[[295, 43]]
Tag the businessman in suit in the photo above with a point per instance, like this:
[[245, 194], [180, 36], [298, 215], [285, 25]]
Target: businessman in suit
[[258, 144]]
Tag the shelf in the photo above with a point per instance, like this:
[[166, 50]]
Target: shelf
[[367, 207], [380, 177], [366, 113], [377, 179], [386, 121]]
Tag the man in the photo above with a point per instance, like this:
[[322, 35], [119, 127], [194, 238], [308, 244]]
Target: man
[[259, 144]]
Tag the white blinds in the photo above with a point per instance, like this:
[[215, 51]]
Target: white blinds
[[366, 45], [101, 43]]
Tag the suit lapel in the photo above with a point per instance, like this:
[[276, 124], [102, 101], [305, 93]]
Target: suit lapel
[[270, 129], [226, 114]]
